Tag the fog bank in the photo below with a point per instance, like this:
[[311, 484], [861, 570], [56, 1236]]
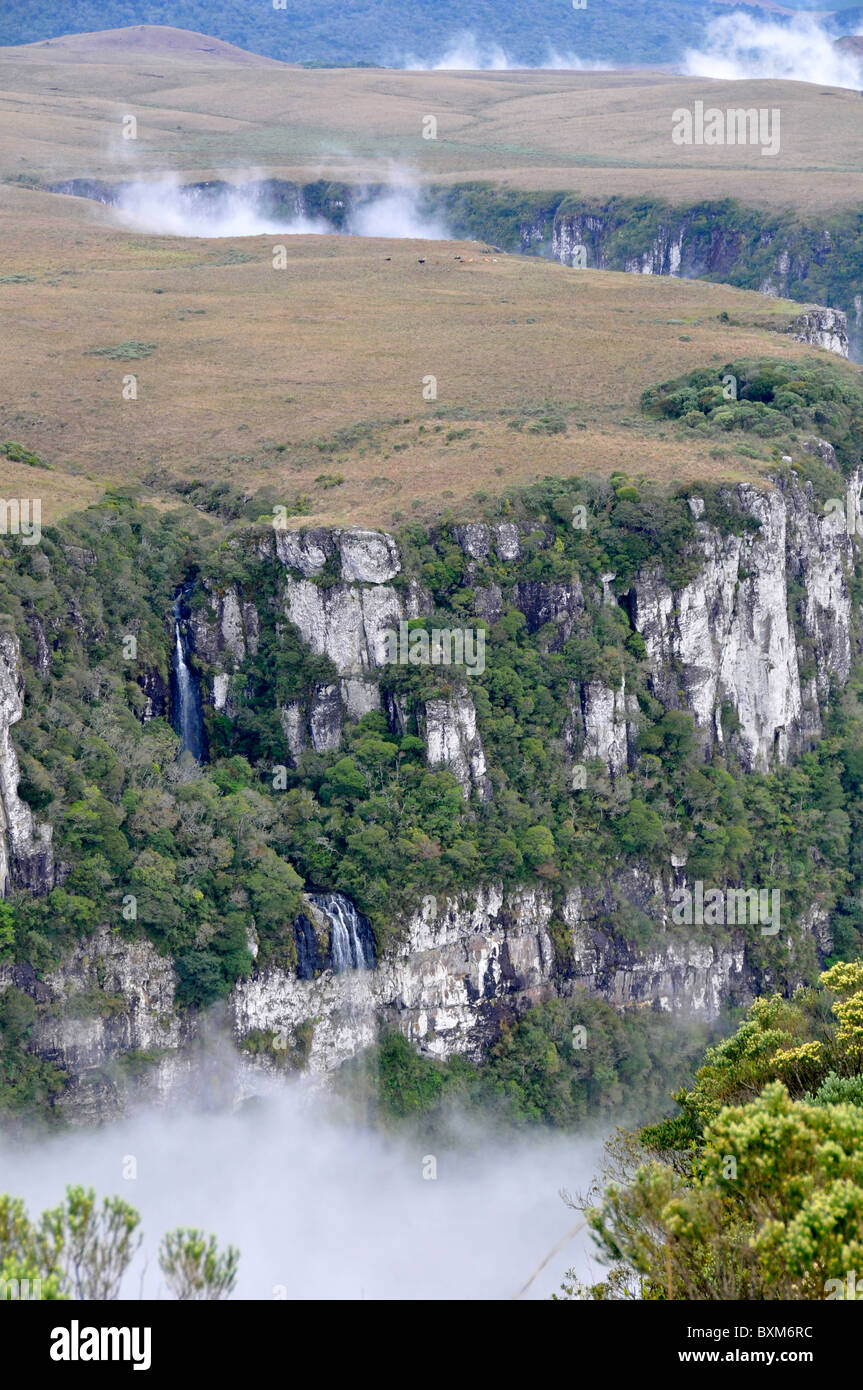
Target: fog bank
[[321, 1207], [167, 208], [739, 46]]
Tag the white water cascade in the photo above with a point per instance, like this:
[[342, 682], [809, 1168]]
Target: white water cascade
[[188, 721], [352, 942]]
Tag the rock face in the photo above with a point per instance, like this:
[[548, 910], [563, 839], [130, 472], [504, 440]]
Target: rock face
[[461, 969], [365, 557], [467, 965], [452, 741], [156, 695], [728, 640], [345, 620], [109, 998], [26, 856], [542, 603], [824, 328], [609, 719], [222, 634], [755, 646], [751, 646]]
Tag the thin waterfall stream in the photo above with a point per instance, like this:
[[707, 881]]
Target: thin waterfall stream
[[188, 717]]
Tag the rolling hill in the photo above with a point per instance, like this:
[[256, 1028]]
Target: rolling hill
[[308, 381]]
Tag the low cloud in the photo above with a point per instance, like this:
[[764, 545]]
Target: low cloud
[[467, 53], [323, 1207], [166, 207], [395, 213], [740, 46]]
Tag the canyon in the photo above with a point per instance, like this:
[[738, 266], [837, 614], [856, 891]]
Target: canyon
[[766, 631]]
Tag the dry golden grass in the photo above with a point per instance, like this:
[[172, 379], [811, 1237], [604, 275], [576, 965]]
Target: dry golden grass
[[255, 370], [298, 378], [203, 107]]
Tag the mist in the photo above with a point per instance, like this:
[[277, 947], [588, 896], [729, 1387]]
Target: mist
[[163, 206], [739, 46], [467, 53], [395, 213], [167, 208], [323, 1207]]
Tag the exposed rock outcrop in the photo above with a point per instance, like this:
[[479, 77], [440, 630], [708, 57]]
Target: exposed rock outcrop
[[728, 646], [460, 969], [823, 328], [365, 557], [156, 695], [728, 640], [542, 603], [222, 634], [345, 618], [106, 1016], [26, 855], [452, 741], [609, 719], [465, 966]]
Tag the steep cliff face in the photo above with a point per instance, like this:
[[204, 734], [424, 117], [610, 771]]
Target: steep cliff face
[[465, 966], [609, 720], [699, 243], [452, 741], [107, 1017], [222, 634], [732, 638], [755, 645], [346, 620], [26, 856], [751, 646], [823, 328]]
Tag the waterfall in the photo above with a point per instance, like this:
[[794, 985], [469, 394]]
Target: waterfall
[[188, 719], [352, 942]]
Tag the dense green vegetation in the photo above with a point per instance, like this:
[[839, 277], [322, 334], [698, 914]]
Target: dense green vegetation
[[203, 852], [566, 1063], [783, 402], [755, 1190], [193, 848], [384, 31]]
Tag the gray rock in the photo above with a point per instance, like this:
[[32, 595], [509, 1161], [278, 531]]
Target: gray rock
[[728, 637], [325, 718], [474, 539], [368, 557], [824, 328], [26, 855], [293, 720], [306, 551], [452, 741], [543, 602], [507, 540]]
